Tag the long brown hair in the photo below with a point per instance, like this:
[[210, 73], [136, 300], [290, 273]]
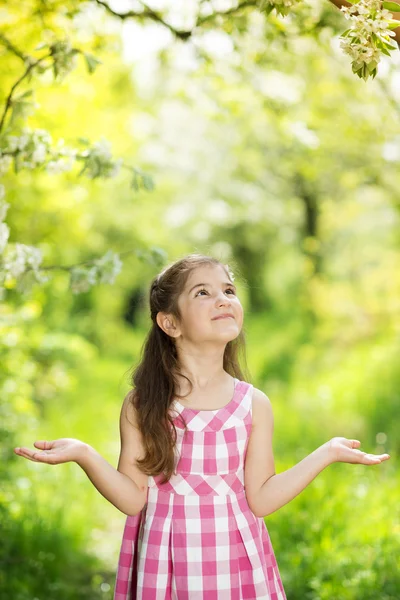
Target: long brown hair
[[154, 379]]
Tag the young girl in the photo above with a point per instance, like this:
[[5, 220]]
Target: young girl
[[196, 471]]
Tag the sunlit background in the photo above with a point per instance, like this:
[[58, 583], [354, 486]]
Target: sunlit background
[[268, 153]]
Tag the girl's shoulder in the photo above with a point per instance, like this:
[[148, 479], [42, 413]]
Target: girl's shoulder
[[261, 408]]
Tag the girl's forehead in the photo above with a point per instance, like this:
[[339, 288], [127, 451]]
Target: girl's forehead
[[205, 272]]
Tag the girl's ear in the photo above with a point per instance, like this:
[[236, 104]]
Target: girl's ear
[[166, 322]]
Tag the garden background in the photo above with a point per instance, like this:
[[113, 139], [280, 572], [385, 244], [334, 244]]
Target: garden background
[[266, 151]]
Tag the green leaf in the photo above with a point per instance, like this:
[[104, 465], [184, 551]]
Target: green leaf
[[26, 94], [392, 6], [357, 67], [17, 166], [91, 62], [134, 182], [42, 68], [148, 183], [388, 45], [158, 255], [20, 109], [267, 9], [393, 24], [42, 46]]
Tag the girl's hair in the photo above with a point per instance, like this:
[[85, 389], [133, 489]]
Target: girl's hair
[[154, 379]]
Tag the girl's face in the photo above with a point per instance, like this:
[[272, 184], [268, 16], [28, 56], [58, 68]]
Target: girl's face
[[209, 294]]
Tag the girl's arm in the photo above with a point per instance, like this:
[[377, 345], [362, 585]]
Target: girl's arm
[[267, 491], [125, 487], [118, 488], [280, 489]]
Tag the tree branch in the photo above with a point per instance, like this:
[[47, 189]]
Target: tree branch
[[6, 42], [149, 13], [24, 75]]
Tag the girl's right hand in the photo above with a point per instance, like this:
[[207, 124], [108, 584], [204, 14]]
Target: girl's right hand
[[346, 450], [54, 452]]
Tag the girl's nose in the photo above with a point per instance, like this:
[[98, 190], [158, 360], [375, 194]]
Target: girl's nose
[[222, 299]]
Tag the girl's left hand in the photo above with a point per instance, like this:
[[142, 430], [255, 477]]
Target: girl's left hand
[[54, 452], [342, 449]]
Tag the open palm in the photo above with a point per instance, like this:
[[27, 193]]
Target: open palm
[[53, 452], [346, 450]]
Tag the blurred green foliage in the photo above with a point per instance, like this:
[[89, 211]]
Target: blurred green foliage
[[269, 154]]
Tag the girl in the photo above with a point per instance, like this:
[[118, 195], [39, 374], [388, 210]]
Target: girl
[[196, 472]]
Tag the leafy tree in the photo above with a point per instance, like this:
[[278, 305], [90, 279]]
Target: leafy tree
[[51, 50]]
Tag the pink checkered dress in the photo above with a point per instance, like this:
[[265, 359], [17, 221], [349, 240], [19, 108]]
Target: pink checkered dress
[[196, 538]]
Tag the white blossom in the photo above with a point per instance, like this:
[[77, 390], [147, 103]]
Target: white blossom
[[104, 270], [98, 161], [108, 266], [62, 150], [18, 257], [64, 57], [30, 149], [21, 142], [282, 7], [102, 149], [368, 22], [39, 153], [55, 167], [4, 235], [5, 163], [81, 279]]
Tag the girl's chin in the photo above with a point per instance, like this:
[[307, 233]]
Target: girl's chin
[[229, 335]]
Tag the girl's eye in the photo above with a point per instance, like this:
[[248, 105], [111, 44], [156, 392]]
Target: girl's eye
[[202, 290], [227, 290]]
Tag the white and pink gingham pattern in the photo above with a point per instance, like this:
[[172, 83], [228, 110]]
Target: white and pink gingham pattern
[[196, 538]]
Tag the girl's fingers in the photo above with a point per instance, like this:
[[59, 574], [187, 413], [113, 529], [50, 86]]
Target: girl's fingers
[[366, 457], [35, 456], [375, 458], [43, 444], [22, 452], [370, 458]]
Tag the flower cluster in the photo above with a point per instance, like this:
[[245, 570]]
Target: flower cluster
[[104, 270], [29, 150], [5, 163], [61, 158], [33, 149], [108, 267], [98, 161], [22, 264], [64, 58], [16, 259], [4, 229], [368, 36], [282, 7]]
